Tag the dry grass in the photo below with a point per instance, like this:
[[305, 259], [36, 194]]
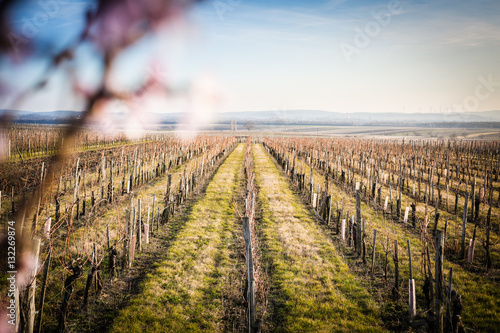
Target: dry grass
[[86, 233], [480, 294]]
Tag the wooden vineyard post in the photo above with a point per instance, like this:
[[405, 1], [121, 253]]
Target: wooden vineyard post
[[131, 234], [139, 225], [181, 187], [431, 184], [358, 222], [487, 245], [464, 225], [364, 241], [342, 230], [412, 302], [398, 199], [473, 198], [439, 294], [470, 254], [337, 230], [134, 238], [146, 228], [449, 322], [396, 269], [251, 292], [329, 210], [146, 233], [414, 215], [373, 250], [167, 194], [390, 199], [379, 196], [84, 203], [46, 228], [436, 221], [447, 193], [110, 185], [352, 233], [101, 175], [153, 216], [311, 185], [126, 241], [30, 318]]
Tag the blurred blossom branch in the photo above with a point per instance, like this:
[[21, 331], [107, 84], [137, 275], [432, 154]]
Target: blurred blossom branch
[[110, 27]]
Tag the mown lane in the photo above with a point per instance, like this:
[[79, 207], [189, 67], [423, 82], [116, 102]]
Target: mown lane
[[199, 284], [312, 289]]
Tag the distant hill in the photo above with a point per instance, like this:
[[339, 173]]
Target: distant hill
[[52, 117], [358, 118], [290, 117]]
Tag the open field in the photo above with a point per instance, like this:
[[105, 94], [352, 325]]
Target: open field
[[376, 131]]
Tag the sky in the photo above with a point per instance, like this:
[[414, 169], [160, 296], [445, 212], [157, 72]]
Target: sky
[[342, 56]]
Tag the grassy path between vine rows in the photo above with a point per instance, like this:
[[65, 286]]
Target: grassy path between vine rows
[[88, 231], [199, 284], [480, 294], [312, 289]]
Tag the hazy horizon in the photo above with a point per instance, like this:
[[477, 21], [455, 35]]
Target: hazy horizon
[[279, 110]]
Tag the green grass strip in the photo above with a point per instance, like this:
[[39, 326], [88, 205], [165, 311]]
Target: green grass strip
[[186, 292], [312, 289]]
